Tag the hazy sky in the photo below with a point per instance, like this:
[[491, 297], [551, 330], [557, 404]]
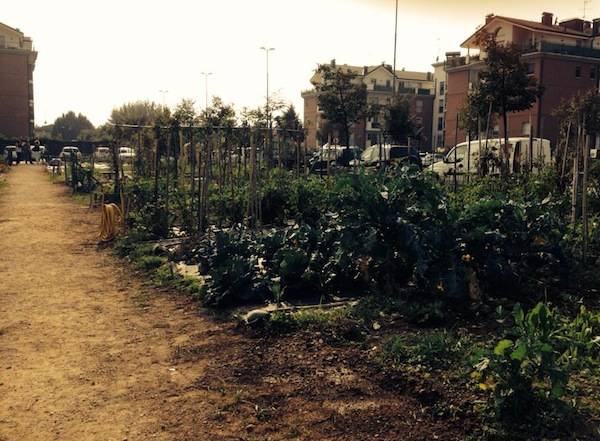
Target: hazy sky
[[95, 55]]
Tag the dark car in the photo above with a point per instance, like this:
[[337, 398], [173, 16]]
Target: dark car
[[335, 156], [390, 155]]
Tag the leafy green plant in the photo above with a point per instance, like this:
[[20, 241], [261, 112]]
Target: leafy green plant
[[536, 358]]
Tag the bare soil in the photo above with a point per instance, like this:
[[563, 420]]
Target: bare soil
[[90, 351]]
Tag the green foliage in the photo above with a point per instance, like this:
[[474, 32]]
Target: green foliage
[[342, 100], [398, 122], [149, 262], [537, 356], [68, 126], [434, 350]]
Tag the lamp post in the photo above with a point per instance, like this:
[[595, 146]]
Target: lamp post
[[395, 42], [206, 75], [163, 92], [268, 110]]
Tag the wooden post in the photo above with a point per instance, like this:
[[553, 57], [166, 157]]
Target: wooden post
[[575, 178], [584, 196], [455, 159], [156, 161], [565, 150]]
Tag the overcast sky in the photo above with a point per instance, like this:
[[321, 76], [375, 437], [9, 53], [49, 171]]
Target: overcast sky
[[95, 55]]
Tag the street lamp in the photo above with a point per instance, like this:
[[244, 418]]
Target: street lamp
[[206, 75], [395, 42], [163, 93], [267, 50], [268, 110]]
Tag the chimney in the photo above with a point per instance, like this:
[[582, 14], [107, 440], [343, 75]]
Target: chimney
[[547, 18], [489, 18], [596, 27]]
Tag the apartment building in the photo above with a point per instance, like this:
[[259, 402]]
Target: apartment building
[[564, 57], [439, 105], [418, 87], [17, 62]]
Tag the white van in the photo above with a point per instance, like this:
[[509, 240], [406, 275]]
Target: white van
[[519, 154]]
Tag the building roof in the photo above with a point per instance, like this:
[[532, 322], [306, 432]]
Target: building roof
[[363, 71], [11, 28], [530, 25]]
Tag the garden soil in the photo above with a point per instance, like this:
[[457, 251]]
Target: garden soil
[[89, 350]]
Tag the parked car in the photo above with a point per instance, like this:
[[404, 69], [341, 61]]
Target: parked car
[[336, 156], [428, 159], [102, 154], [67, 151], [377, 155], [37, 152], [463, 158], [126, 154], [10, 154]]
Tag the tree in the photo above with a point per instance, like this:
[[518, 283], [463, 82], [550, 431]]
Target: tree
[[342, 98], [398, 124], [184, 113], [505, 84], [144, 113], [68, 126], [218, 114], [289, 119]]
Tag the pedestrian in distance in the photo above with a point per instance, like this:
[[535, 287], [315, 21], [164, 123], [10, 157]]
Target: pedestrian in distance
[[27, 153]]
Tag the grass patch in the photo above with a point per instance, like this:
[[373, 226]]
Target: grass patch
[[434, 350]]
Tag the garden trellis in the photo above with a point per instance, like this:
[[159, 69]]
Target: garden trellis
[[188, 165]]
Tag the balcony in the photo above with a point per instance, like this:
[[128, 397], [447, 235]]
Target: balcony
[[382, 88], [563, 49]]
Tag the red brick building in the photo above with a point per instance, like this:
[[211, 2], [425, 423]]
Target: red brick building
[[419, 87], [564, 57], [17, 62]]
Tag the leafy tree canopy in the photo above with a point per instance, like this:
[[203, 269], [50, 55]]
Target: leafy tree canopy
[[145, 113], [398, 124], [68, 126], [289, 119], [342, 97], [218, 114], [184, 113]]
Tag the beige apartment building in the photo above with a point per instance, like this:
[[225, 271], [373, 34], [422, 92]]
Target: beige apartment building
[[419, 87], [17, 62]]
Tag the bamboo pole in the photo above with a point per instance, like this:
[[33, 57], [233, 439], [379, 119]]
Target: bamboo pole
[[575, 178], [584, 196], [565, 150]]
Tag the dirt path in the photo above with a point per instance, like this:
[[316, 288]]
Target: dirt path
[[81, 357], [88, 351]]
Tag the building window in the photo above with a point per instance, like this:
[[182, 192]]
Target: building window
[[419, 106], [442, 87], [577, 71], [2, 41], [388, 83], [530, 68], [526, 128], [440, 124], [441, 107]]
